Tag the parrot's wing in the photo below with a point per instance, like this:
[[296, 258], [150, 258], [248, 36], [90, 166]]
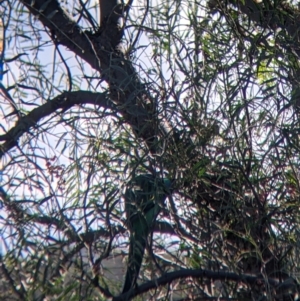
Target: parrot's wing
[[143, 201]]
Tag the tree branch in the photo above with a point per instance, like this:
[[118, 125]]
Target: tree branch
[[197, 273], [135, 104], [64, 101]]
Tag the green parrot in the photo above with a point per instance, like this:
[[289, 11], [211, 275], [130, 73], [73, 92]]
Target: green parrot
[[144, 197]]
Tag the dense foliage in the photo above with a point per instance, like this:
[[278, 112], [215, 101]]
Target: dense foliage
[[202, 93]]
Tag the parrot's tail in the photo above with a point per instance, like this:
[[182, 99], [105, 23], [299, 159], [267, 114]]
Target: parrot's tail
[[135, 257]]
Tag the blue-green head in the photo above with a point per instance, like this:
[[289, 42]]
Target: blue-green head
[[150, 182]]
